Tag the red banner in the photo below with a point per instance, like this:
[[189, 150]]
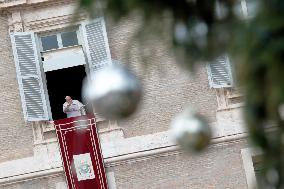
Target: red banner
[[81, 153]]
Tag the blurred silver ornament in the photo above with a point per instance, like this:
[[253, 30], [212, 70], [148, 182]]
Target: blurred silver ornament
[[114, 91], [198, 33], [272, 177], [246, 9], [253, 7], [221, 10], [191, 131], [281, 111], [181, 32]]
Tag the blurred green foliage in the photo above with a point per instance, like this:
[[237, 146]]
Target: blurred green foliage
[[202, 30]]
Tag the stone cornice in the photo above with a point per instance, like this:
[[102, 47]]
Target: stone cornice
[[19, 5], [53, 23], [44, 169], [11, 3]]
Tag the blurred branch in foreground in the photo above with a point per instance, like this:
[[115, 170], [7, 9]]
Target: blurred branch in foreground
[[251, 32]]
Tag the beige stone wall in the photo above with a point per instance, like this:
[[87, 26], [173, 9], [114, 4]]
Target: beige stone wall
[[16, 137], [168, 88], [219, 168]]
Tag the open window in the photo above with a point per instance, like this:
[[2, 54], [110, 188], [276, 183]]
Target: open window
[[64, 65], [61, 83], [53, 65]]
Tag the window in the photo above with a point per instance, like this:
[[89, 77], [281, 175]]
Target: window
[[69, 39], [59, 40], [220, 73], [29, 67], [49, 42]]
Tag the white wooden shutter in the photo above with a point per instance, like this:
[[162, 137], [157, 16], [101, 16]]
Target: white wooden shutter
[[219, 73], [29, 74], [96, 44]]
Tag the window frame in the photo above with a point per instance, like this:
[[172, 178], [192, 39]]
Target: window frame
[[60, 47], [77, 34], [58, 35]]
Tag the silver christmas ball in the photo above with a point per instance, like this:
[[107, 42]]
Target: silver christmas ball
[[114, 91], [191, 131]]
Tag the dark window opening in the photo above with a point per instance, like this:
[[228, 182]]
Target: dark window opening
[[61, 83]]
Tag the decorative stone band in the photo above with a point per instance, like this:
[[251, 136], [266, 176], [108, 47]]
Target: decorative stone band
[[133, 149], [34, 168], [19, 4]]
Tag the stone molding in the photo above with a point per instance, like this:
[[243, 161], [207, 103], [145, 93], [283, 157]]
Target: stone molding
[[48, 170], [54, 23], [49, 173], [111, 180], [18, 24], [248, 154], [12, 5], [229, 98], [47, 161], [165, 151], [42, 128]]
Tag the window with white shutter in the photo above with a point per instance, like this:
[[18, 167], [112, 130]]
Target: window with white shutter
[[96, 44], [219, 73], [29, 74]]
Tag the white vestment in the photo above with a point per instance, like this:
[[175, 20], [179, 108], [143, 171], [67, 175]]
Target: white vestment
[[75, 109]]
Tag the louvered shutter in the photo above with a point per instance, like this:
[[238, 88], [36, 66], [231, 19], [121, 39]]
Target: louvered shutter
[[29, 76], [219, 73], [96, 44]]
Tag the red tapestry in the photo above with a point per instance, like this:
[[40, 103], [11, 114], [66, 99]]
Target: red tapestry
[[81, 153]]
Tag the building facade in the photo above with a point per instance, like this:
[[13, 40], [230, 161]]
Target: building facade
[[45, 54]]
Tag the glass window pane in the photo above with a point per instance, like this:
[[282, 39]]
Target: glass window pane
[[69, 39], [49, 42]]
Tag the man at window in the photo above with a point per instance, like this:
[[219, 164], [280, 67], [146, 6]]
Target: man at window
[[73, 108]]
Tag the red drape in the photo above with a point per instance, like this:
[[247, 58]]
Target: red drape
[[81, 152]]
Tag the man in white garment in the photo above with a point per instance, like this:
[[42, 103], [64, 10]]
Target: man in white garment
[[73, 108]]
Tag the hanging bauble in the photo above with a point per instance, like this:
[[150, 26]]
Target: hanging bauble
[[190, 40], [180, 33], [247, 9], [222, 10], [114, 91], [197, 41], [219, 39], [191, 131]]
